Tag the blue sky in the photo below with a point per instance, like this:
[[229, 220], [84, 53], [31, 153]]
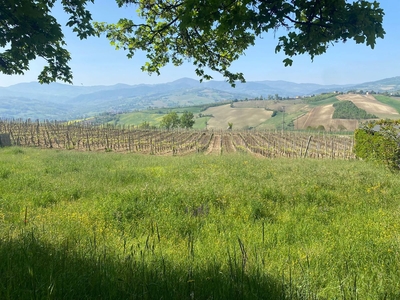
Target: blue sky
[[95, 62]]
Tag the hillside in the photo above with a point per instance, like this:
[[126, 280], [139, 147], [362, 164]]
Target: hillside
[[323, 115], [66, 102], [304, 113], [241, 118]]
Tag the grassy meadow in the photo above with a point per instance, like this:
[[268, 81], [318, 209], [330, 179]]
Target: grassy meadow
[[154, 116], [89, 225]]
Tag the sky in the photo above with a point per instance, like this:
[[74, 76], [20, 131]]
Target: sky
[[96, 62]]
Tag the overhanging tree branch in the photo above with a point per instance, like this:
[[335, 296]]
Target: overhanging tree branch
[[211, 34]]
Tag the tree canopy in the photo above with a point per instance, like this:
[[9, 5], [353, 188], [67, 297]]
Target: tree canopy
[[187, 120], [210, 33], [28, 31], [170, 121]]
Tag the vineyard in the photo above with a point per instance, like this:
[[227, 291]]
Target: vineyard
[[85, 137]]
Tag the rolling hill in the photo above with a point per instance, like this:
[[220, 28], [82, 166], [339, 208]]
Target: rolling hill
[[305, 113], [66, 102]]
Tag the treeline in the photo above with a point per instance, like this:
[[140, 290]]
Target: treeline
[[348, 110], [318, 98]]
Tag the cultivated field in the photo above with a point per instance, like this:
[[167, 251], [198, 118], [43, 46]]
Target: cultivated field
[[371, 105], [267, 143], [299, 113], [90, 225], [303, 113], [322, 115], [240, 117]]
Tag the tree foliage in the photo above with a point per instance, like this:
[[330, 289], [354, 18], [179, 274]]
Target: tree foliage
[[170, 120], [348, 110], [379, 141], [28, 31], [214, 33], [187, 120], [210, 33]]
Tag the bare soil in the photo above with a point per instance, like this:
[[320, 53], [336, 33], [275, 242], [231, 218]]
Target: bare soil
[[214, 147], [227, 144]]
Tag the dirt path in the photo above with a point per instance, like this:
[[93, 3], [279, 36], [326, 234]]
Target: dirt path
[[215, 145], [227, 144]]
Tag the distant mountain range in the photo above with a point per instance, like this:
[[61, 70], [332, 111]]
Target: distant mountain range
[[63, 102]]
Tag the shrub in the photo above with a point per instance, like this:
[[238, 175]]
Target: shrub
[[379, 141]]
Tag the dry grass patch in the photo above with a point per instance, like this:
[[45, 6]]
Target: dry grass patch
[[240, 117], [322, 115]]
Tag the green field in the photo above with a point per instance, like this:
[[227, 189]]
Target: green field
[[276, 122], [322, 99], [393, 102], [91, 225], [154, 116]]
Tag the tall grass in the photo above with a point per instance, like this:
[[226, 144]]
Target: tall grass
[[122, 226]]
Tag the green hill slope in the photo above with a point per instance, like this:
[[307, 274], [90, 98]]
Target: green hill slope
[[391, 101]]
